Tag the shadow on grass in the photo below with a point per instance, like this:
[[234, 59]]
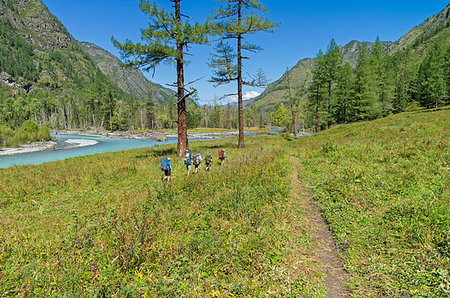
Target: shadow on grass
[[159, 152]]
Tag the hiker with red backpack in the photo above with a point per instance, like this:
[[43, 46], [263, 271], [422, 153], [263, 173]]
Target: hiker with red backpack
[[197, 161], [222, 156], [166, 167]]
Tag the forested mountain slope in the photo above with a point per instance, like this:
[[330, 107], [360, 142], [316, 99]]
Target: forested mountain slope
[[130, 80], [275, 93], [45, 76], [420, 40]]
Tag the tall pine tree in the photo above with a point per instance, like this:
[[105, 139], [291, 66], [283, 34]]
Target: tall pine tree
[[381, 87], [236, 20], [166, 39]]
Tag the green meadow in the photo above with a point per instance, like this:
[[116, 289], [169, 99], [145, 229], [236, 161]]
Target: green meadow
[[105, 225]]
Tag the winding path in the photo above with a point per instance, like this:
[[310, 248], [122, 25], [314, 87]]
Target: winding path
[[325, 251]]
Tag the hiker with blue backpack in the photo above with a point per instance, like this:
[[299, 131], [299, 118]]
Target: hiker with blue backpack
[[188, 161], [166, 167]]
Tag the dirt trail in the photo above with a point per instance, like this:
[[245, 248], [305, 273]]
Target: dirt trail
[[326, 251]]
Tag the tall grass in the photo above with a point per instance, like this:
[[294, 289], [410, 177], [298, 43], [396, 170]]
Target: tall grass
[[107, 225], [384, 189]]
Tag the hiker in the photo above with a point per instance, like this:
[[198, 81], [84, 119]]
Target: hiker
[[208, 162], [166, 166], [222, 156], [197, 161], [188, 161]]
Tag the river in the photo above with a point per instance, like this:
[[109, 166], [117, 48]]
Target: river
[[72, 145], [69, 146]]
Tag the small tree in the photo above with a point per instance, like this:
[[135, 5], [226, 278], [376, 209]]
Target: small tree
[[281, 117], [294, 94], [166, 39]]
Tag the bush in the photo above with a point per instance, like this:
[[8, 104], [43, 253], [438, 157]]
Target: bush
[[29, 132]]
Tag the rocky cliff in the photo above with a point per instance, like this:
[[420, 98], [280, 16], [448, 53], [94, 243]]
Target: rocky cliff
[[34, 21]]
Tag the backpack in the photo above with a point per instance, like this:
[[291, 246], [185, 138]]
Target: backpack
[[187, 159], [208, 159], [197, 159], [221, 154], [163, 164]]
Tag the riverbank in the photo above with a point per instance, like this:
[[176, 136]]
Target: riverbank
[[28, 148], [157, 135]]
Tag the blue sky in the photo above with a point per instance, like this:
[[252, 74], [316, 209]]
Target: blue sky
[[305, 27]]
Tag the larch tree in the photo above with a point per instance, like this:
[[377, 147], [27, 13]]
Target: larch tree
[[382, 83], [235, 21], [166, 40], [401, 94], [316, 91], [294, 94], [432, 86], [363, 103], [331, 66], [344, 94]]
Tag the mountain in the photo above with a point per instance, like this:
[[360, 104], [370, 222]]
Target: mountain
[[131, 81], [37, 51], [420, 40], [46, 76]]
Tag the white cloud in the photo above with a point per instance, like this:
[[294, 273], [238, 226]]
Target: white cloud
[[250, 95], [234, 98]]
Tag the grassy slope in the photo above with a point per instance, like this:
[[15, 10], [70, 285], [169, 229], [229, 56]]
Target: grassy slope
[[106, 224], [383, 186], [424, 49]]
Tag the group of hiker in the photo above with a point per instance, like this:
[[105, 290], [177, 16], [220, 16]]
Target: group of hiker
[[189, 161]]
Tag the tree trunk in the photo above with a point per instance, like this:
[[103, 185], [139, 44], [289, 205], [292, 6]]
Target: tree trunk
[[181, 103], [317, 110], [329, 105], [93, 112], [239, 82], [294, 129]]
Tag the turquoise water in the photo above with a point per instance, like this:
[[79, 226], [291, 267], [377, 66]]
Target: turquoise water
[[65, 151], [103, 145]]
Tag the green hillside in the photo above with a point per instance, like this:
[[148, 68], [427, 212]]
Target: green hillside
[[423, 31], [106, 225], [130, 80]]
